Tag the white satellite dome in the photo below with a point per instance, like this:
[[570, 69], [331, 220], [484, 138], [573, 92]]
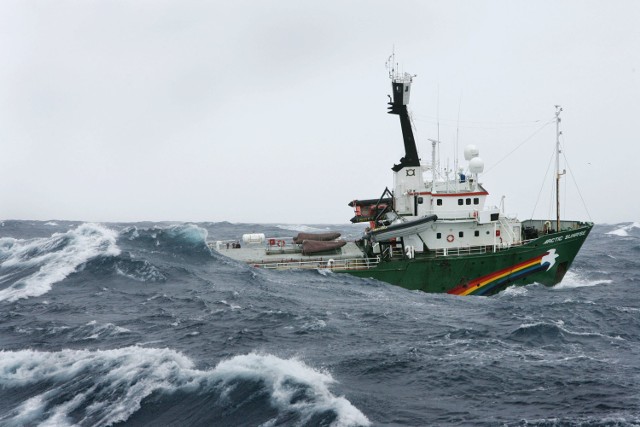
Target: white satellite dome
[[476, 165], [471, 151]]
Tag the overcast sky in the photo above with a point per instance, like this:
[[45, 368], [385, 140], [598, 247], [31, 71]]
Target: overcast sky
[[275, 111]]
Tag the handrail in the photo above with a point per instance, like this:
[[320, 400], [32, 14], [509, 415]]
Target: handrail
[[509, 229], [469, 250], [331, 264]]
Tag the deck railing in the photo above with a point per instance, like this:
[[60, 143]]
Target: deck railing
[[331, 264]]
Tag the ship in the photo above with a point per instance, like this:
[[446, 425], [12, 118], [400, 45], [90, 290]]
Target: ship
[[431, 231]]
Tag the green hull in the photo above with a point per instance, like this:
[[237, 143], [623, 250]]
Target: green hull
[[544, 260]]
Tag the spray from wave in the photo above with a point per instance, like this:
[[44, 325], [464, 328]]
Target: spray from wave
[[302, 228], [29, 268], [574, 279], [100, 388], [626, 231]]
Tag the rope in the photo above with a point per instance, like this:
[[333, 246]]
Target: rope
[[573, 178], [519, 145], [542, 186], [475, 124]]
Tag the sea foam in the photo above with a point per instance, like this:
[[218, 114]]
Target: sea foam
[[104, 387], [52, 259], [574, 280], [301, 228], [624, 230]]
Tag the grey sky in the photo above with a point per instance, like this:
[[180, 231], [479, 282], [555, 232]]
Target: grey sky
[[252, 111]]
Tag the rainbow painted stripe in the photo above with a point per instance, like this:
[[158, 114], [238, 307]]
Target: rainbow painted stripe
[[488, 283]]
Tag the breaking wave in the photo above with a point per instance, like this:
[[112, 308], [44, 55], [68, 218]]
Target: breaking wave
[[188, 238], [29, 268], [575, 280], [626, 230], [103, 387], [149, 327], [302, 228]]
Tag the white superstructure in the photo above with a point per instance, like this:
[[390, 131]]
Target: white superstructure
[[457, 198]]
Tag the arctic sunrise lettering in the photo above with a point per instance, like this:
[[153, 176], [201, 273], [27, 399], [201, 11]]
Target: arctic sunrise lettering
[[567, 237]]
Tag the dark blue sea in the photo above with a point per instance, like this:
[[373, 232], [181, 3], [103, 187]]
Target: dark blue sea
[[142, 325]]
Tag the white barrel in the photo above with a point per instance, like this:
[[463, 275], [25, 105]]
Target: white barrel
[[253, 238]]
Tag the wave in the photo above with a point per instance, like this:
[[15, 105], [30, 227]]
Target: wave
[[625, 230], [90, 331], [104, 387], [302, 228], [554, 333], [141, 271], [31, 267], [575, 280], [187, 238], [604, 420]]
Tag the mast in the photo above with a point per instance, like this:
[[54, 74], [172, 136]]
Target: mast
[[401, 85], [433, 165], [558, 173]]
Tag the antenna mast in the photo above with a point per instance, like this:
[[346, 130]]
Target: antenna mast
[[401, 85], [558, 173]]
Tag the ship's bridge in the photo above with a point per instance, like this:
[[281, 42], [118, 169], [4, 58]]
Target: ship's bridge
[[462, 197]]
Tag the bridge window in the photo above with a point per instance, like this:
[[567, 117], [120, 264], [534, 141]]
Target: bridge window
[[468, 201], [439, 202], [460, 202], [460, 233], [438, 235], [476, 233], [476, 201]]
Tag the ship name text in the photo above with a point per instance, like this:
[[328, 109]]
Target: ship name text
[[565, 237]]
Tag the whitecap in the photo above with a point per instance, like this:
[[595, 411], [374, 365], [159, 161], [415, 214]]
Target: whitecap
[[55, 257], [575, 280], [314, 325], [513, 291], [301, 228], [280, 375], [94, 330], [325, 271], [110, 385], [624, 230], [188, 232], [120, 379]]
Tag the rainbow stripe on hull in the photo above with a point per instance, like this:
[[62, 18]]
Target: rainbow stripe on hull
[[498, 280]]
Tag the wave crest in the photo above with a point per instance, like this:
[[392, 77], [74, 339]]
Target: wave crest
[[626, 230], [104, 387], [29, 268], [575, 280], [188, 238]]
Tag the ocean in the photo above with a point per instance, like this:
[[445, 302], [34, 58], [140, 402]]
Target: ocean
[[142, 325]]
